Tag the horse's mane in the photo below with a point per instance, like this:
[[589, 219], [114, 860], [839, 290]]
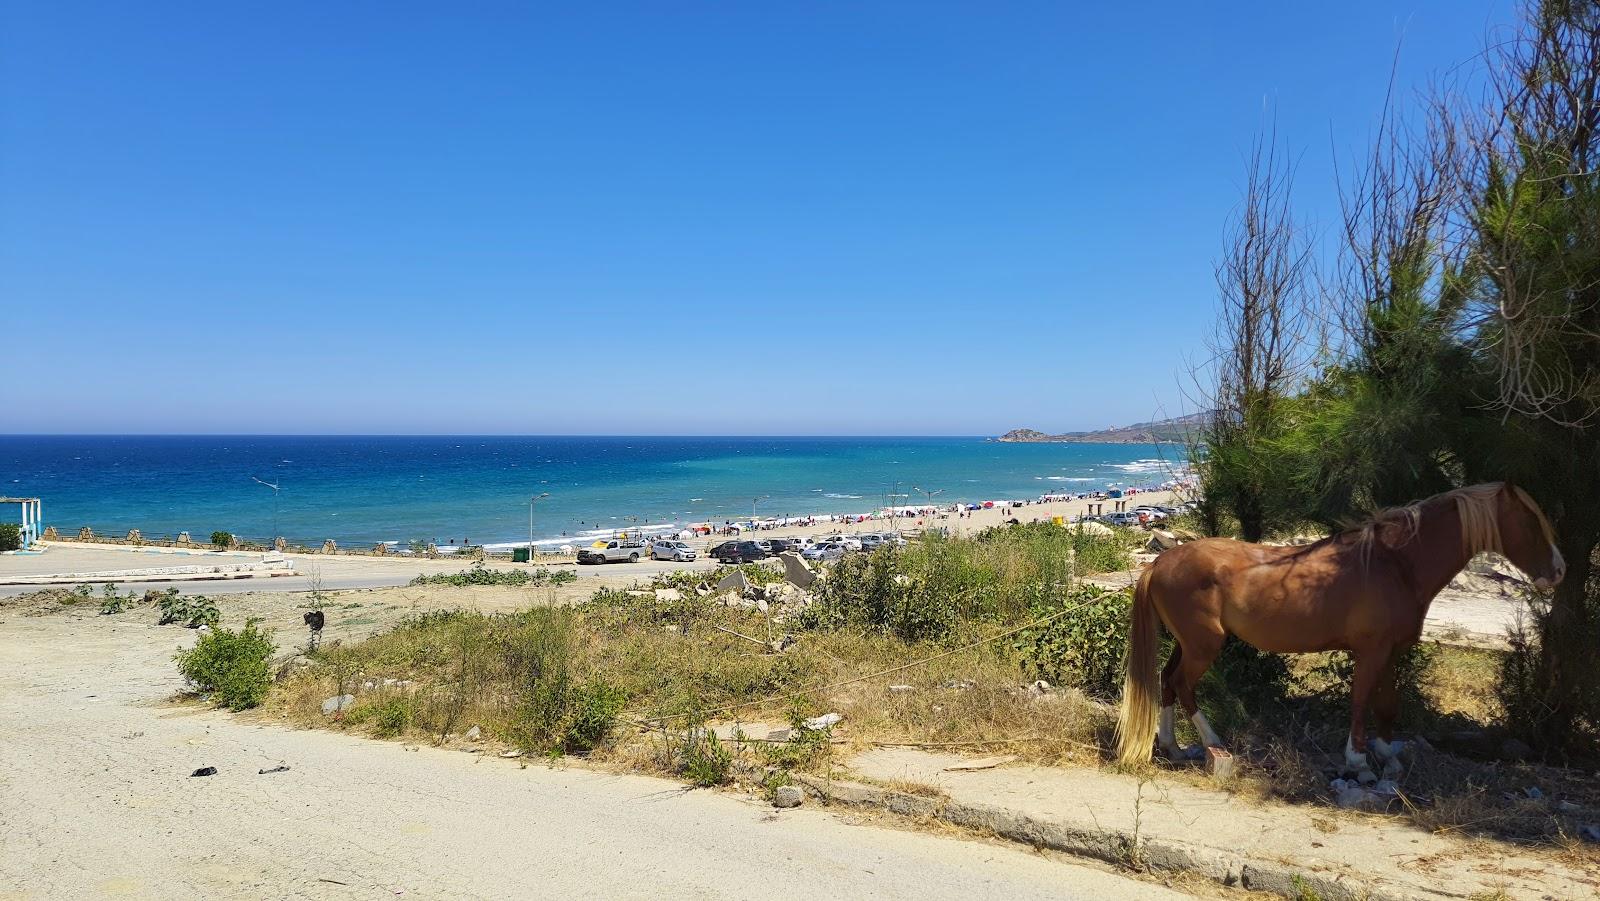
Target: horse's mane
[[1480, 526]]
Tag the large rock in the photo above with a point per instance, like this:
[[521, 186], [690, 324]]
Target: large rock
[[1161, 541], [734, 581], [668, 594], [795, 570], [337, 704], [788, 796], [1090, 527]]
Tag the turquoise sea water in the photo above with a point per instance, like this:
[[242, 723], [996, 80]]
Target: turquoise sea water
[[362, 490]]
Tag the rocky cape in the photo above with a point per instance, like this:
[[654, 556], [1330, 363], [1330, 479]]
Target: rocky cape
[[1177, 431]]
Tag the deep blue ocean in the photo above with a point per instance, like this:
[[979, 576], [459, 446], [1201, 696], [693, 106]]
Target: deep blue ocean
[[362, 490]]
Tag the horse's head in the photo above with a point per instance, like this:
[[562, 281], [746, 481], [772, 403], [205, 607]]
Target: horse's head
[[1527, 539]]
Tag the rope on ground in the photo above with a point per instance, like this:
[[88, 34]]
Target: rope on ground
[[811, 689]]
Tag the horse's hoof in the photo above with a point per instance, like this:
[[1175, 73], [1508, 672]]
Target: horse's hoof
[[1366, 777], [1392, 768]]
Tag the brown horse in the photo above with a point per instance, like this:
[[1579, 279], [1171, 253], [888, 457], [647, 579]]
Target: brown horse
[[1365, 591]]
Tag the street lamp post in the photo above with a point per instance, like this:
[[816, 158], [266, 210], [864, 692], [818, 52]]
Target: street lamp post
[[274, 506], [531, 501], [753, 502]]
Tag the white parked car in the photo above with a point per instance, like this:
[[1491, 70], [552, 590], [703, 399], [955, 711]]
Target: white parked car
[[850, 542], [672, 550], [614, 551], [827, 550]]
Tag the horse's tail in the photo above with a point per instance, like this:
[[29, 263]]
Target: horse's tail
[[1136, 723]]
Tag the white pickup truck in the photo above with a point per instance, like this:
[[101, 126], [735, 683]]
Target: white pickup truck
[[614, 551]]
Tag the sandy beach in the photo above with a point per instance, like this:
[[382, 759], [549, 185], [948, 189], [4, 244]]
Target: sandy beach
[[965, 523]]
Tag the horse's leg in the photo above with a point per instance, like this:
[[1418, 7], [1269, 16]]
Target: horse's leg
[[1386, 709], [1197, 658], [1166, 736], [1369, 664]]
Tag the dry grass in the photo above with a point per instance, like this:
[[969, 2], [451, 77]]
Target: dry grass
[[678, 669]]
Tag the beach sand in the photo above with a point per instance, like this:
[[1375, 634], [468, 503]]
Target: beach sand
[[967, 523]]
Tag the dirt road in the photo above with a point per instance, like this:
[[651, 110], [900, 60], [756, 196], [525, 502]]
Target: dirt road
[[96, 800]]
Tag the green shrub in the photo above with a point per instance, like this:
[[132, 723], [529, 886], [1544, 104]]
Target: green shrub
[[115, 604], [556, 712], [478, 574], [937, 588], [10, 536], [706, 761], [592, 715], [230, 665], [222, 540], [191, 612], [1082, 648], [389, 718]]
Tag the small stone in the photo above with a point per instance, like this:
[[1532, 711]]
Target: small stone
[[788, 796], [1589, 832], [958, 684], [280, 768], [1386, 787], [1219, 763], [337, 704], [474, 734], [826, 721], [1356, 798], [368, 685], [900, 689], [204, 771], [1533, 792], [1567, 807], [668, 594], [510, 754], [779, 734]]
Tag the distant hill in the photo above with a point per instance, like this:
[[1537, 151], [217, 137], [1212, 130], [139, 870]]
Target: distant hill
[[1163, 431]]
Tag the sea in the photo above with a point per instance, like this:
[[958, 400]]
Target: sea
[[455, 490]]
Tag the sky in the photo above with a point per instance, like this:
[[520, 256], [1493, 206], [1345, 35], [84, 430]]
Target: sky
[[651, 218]]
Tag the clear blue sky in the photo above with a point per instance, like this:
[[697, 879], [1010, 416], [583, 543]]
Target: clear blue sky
[[673, 218]]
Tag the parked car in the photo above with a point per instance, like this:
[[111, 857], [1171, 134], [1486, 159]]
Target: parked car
[[1122, 519], [779, 545], [827, 550], [671, 550], [850, 542], [739, 552], [870, 540], [766, 544], [613, 551], [894, 538]]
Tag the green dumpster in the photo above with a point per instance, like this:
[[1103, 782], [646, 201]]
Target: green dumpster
[[519, 555]]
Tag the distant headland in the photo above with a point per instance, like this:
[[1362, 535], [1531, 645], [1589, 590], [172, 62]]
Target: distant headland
[[1164, 431]]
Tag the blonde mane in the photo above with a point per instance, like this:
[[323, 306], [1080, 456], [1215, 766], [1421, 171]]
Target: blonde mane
[[1480, 526]]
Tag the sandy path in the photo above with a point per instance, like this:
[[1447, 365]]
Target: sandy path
[[96, 800]]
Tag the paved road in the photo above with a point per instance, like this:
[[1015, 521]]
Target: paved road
[[337, 573], [98, 801]]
